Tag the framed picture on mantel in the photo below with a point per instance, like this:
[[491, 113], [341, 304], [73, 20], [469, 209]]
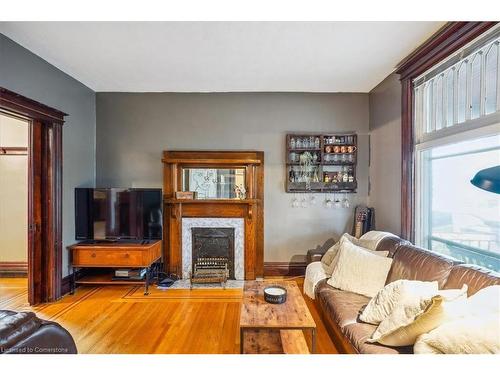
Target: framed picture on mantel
[[321, 163]]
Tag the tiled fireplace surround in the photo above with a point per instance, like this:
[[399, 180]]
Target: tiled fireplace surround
[[208, 222]]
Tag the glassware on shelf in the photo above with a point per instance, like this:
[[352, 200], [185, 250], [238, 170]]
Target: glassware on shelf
[[345, 202], [298, 143], [328, 202], [336, 202], [303, 202], [313, 200], [316, 142], [292, 143]]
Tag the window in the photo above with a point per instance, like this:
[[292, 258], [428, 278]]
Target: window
[[457, 133], [463, 88], [458, 219]]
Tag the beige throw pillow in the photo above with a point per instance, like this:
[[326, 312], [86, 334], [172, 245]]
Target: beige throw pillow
[[359, 270], [478, 332], [329, 256], [333, 252], [406, 323], [397, 293], [470, 335]]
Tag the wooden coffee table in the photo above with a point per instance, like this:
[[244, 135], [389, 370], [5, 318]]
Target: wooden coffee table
[[262, 320]]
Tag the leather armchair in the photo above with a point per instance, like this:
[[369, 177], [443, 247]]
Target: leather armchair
[[25, 333]]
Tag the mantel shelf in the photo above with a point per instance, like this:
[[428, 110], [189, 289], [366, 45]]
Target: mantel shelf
[[214, 161], [210, 201]]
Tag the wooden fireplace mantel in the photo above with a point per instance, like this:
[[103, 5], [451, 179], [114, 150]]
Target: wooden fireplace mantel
[[250, 209]]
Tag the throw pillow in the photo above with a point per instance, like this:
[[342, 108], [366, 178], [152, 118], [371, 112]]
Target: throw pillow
[[470, 335], [330, 254], [335, 250], [397, 293], [406, 323], [484, 301], [359, 270]]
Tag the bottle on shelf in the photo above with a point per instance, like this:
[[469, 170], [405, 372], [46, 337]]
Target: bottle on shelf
[[292, 142], [345, 177], [316, 142]]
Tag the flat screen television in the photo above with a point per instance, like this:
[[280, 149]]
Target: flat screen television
[[118, 214]]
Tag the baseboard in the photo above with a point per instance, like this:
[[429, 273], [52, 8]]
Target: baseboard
[[284, 268], [66, 281], [13, 269]]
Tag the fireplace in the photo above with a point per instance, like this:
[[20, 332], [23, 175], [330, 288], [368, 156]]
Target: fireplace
[[213, 237], [215, 243]]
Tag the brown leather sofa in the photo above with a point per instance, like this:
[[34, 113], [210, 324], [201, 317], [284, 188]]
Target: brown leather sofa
[[25, 333], [340, 309]]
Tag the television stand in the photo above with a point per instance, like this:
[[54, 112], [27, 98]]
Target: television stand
[[110, 255]]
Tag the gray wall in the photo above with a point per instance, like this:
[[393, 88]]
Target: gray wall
[[134, 128], [385, 158], [27, 74]]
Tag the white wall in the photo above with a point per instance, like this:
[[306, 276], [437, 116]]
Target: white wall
[[13, 192]]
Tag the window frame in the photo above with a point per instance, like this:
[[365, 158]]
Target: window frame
[[449, 39]]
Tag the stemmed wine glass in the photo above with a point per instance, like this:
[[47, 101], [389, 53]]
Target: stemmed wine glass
[[345, 202], [328, 202], [336, 202]]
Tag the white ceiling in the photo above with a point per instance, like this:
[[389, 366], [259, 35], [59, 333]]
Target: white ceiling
[[223, 56]]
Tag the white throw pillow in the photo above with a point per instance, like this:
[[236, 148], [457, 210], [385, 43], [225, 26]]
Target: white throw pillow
[[397, 293], [330, 254], [335, 250], [406, 323], [470, 335], [359, 270], [484, 301]]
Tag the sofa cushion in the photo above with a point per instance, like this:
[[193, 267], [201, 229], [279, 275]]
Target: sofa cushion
[[342, 307], [474, 276], [391, 244], [358, 333], [413, 263]]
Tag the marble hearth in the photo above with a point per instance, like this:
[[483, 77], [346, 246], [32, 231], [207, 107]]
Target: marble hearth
[[238, 224]]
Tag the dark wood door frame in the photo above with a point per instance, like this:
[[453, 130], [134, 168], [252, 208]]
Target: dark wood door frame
[[44, 194], [445, 42]]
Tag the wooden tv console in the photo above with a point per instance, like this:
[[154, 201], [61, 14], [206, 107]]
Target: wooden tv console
[[138, 254]]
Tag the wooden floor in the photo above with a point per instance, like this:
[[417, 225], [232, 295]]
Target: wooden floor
[[120, 319]]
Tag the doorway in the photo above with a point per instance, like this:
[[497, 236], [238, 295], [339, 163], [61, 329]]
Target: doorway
[[44, 193], [14, 138]]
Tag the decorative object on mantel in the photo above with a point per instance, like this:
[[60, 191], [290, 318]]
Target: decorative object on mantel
[[186, 195], [275, 294], [321, 162], [240, 191]]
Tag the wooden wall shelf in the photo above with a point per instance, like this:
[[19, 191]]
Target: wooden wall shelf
[[335, 157]]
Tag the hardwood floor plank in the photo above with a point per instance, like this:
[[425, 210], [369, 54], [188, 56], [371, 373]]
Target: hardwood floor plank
[[120, 319]]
